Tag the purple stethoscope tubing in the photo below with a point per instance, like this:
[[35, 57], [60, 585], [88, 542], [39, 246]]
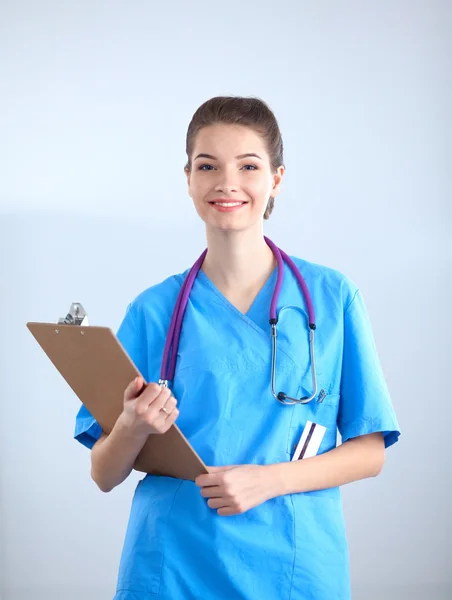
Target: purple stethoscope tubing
[[169, 359]]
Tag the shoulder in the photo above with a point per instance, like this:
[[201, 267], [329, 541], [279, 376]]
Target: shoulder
[[326, 281], [159, 299]]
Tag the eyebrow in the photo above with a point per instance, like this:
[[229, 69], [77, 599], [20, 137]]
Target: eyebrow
[[248, 155]]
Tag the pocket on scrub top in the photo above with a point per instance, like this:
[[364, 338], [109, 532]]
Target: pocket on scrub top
[[141, 561], [321, 410]]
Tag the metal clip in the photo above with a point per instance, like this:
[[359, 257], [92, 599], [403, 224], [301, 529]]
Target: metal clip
[[76, 316], [321, 396]]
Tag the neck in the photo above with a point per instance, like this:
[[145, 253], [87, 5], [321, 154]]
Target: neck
[[238, 260]]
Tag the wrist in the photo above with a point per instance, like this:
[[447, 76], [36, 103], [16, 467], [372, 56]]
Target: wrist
[[277, 477], [124, 429]]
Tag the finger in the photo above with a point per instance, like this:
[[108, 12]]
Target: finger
[[219, 469], [169, 420], [217, 503], [209, 480], [134, 388], [227, 512], [151, 395], [212, 492], [162, 423], [170, 405], [161, 400]]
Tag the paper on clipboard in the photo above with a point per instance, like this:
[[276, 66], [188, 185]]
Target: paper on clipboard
[[98, 369]]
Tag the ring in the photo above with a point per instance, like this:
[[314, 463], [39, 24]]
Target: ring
[[165, 411]]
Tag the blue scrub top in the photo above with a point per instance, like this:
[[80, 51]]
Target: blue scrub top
[[291, 547]]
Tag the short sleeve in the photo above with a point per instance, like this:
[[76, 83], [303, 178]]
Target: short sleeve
[[365, 405], [87, 429], [133, 340]]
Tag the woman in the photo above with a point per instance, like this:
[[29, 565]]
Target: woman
[[259, 525]]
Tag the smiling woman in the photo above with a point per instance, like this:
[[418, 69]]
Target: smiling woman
[[222, 180], [261, 524], [254, 123]]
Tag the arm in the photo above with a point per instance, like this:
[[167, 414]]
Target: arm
[[355, 459], [113, 455], [235, 489]]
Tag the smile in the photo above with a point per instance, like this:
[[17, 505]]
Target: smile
[[228, 204]]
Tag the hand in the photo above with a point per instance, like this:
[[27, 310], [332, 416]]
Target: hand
[[143, 408], [235, 489]]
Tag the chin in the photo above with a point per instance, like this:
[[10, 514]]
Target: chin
[[230, 226], [229, 221]]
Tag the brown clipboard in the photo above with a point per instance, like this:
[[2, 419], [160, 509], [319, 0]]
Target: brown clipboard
[[97, 368]]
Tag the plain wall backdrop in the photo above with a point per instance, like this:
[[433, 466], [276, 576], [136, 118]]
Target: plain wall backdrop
[[95, 101]]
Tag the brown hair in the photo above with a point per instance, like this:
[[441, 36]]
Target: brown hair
[[237, 110]]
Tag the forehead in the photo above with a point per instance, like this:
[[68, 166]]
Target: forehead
[[225, 139]]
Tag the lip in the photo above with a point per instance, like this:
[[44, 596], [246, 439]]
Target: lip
[[227, 208], [227, 200]]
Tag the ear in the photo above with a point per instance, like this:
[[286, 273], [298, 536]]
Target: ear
[[188, 175], [277, 180]]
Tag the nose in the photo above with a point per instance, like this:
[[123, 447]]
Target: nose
[[226, 183]]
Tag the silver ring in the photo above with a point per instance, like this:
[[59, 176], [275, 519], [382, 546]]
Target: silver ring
[[165, 411]]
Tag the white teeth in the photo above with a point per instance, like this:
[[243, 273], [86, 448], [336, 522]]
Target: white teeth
[[228, 204]]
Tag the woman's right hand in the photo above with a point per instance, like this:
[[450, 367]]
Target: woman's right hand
[[143, 408]]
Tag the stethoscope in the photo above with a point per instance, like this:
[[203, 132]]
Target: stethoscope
[[168, 367]]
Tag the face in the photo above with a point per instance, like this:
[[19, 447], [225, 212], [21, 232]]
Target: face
[[231, 179]]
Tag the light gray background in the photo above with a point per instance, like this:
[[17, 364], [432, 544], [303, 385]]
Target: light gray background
[[95, 101]]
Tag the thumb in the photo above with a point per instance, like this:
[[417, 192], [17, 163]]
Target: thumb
[[219, 469], [133, 389]]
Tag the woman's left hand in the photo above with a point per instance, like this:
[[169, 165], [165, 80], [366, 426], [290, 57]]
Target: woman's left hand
[[235, 489]]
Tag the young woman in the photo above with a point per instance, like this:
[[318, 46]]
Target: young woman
[[260, 525]]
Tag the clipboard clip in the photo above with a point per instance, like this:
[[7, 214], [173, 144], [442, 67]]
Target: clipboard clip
[[76, 316]]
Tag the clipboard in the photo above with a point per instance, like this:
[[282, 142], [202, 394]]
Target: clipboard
[[97, 368]]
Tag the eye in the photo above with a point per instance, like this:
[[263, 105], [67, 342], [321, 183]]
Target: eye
[[201, 168], [253, 167]]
